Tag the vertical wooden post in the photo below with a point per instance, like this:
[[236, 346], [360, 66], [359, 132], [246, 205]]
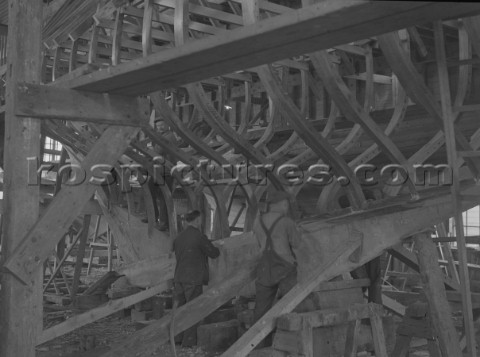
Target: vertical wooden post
[[20, 306], [352, 339], [379, 342], [80, 255], [307, 339], [439, 309], [450, 143]]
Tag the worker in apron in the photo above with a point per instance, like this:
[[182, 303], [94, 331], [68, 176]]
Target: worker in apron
[[278, 239]]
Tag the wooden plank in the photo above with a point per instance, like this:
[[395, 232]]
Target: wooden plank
[[101, 286], [286, 35], [117, 37], [60, 263], [349, 106], [352, 339], [377, 78], [57, 299], [327, 317], [468, 239], [440, 311], [306, 336], [100, 312], [393, 305], [28, 257], [415, 86], [48, 102], [20, 306], [452, 296], [341, 285], [378, 335], [204, 11], [452, 270], [313, 139], [451, 137], [147, 27]]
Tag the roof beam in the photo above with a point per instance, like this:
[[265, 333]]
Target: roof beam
[[305, 30]]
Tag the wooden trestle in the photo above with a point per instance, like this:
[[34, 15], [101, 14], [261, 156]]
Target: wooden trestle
[[291, 92]]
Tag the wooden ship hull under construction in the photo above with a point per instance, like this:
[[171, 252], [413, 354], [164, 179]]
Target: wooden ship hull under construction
[[364, 111]]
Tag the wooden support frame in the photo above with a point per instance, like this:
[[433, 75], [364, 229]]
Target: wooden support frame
[[80, 254], [157, 333], [286, 35], [328, 317], [381, 231], [95, 314], [324, 271], [450, 141], [67, 204], [440, 312], [60, 263], [21, 306], [409, 258]]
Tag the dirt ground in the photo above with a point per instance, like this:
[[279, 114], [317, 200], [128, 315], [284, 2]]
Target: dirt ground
[[108, 332]]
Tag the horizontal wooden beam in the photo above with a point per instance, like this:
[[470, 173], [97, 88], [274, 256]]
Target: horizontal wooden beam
[[293, 33], [49, 102], [377, 78], [328, 317], [468, 239], [452, 296]]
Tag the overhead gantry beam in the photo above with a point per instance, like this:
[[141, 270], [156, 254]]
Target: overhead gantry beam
[[296, 32]]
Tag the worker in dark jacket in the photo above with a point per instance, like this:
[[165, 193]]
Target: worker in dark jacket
[[192, 250]]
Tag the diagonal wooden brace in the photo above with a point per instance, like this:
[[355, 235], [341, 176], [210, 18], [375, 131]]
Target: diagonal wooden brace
[[30, 254]]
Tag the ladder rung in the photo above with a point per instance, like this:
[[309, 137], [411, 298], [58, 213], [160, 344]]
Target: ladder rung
[[467, 108], [469, 153], [99, 245]]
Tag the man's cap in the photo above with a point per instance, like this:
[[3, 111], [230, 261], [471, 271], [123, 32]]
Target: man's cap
[[278, 196], [190, 216]]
